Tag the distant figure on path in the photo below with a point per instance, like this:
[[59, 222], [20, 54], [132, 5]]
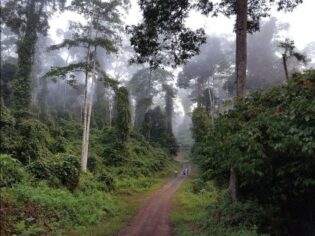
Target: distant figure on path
[[185, 171], [175, 172]]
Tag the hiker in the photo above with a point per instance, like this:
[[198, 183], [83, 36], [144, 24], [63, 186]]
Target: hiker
[[175, 172], [186, 171]]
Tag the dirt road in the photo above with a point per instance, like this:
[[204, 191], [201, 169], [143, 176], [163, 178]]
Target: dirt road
[[154, 218]]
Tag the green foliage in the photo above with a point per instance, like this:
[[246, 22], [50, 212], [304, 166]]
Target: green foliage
[[163, 32], [269, 139], [155, 129], [26, 227], [63, 71], [12, 171], [8, 71], [107, 179], [67, 169], [104, 23], [26, 19], [123, 117], [102, 181], [41, 202], [114, 151], [26, 139], [8, 134], [237, 215], [99, 42], [64, 167], [143, 86], [288, 47], [64, 207], [201, 124], [34, 140], [134, 158], [202, 209]]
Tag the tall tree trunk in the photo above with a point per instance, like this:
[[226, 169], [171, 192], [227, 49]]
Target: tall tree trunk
[[241, 47], [233, 184], [85, 112], [241, 66], [110, 115], [22, 85], [88, 111], [89, 114], [211, 107], [284, 60], [199, 94]]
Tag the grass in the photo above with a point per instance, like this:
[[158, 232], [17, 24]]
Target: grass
[[190, 207], [195, 211]]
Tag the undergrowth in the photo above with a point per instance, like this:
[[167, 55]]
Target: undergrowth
[[50, 195], [201, 209]]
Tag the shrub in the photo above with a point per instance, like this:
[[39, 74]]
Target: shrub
[[75, 209], [35, 140], [41, 169], [11, 171], [64, 167], [8, 135], [105, 178], [67, 169], [269, 139]]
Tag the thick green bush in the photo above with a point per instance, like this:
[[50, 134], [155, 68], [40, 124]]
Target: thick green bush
[[35, 140], [269, 139], [67, 169], [64, 167], [11, 172], [107, 180], [75, 209]]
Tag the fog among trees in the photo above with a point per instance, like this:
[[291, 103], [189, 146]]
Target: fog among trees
[[108, 106]]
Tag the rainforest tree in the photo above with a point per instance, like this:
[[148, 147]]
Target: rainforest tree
[[97, 36], [26, 19], [289, 52], [170, 93], [143, 86]]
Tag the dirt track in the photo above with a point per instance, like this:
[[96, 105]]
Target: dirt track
[[154, 218]]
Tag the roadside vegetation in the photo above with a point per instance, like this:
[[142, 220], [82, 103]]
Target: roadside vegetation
[[51, 195], [269, 139], [43, 187], [93, 111]]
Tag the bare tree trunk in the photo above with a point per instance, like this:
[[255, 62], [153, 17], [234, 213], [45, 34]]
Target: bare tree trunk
[[284, 60], [199, 94], [149, 92], [88, 113], [210, 102], [110, 116], [233, 184], [64, 97], [85, 112], [241, 66], [241, 47], [81, 113]]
